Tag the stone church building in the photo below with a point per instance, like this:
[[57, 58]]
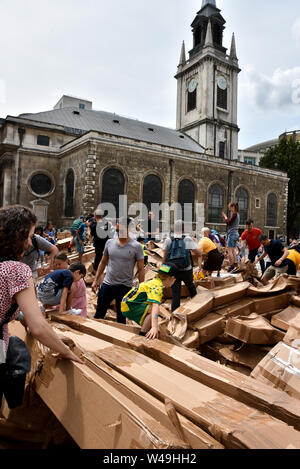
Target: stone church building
[[66, 161]]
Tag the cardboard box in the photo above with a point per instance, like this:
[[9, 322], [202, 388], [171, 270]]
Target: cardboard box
[[248, 356], [209, 327], [217, 282], [198, 307], [272, 303], [230, 422], [229, 295], [281, 369], [273, 287], [253, 329], [292, 336], [243, 307], [295, 300], [286, 317], [213, 375]]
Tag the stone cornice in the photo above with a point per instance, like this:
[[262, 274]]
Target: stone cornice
[[209, 55]]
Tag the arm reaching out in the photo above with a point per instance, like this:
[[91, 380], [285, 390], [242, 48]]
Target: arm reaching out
[[38, 326]]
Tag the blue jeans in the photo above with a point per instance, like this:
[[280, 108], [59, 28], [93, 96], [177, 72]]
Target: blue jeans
[[232, 240], [106, 295]]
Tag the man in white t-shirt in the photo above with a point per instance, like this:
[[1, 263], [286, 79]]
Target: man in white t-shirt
[[172, 248]]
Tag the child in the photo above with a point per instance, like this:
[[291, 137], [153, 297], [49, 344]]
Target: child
[[56, 288], [61, 262], [141, 304]]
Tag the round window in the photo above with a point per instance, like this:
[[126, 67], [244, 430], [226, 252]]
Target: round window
[[41, 184]]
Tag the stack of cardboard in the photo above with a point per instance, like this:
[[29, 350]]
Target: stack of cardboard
[[164, 393], [155, 395]]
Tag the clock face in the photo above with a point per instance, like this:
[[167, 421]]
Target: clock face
[[192, 86], [222, 83]]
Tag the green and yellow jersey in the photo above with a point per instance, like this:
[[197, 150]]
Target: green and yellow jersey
[[136, 303]]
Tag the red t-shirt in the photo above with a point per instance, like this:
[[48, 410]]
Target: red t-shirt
[[252, 238]]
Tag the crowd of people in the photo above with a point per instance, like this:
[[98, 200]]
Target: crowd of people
[[119, 269]]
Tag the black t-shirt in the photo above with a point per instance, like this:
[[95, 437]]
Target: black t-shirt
[[152, 227], [275, 252], [101, 233]]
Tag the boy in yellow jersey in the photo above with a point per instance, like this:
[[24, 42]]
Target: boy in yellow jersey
[[141, 304]]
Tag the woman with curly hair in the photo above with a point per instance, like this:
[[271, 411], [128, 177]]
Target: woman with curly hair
[[17, 225]]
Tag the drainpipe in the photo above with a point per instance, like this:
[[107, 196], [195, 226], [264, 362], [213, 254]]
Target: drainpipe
[[21, 132], [214, 110], [230, 175], [172, 164]]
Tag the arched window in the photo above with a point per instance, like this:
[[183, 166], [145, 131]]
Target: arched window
[[113, 185], [242, 198], [152, 191], [186, 195], [272, 210], [69, 194], [215, 204]]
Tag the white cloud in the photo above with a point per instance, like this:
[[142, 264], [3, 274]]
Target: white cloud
[[296, 31], [279, 92], [2, 92]]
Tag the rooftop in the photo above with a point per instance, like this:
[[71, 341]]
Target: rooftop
[[109, 123]]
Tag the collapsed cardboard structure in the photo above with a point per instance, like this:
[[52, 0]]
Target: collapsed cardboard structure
[[190, 389]]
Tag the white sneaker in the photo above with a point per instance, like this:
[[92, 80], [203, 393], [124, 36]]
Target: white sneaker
[[76, 312]]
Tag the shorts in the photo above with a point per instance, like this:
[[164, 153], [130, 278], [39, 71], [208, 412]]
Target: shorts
[[135, 312], [79, 247], [49, 298], [273, 271], [214, 261], [232, 240]]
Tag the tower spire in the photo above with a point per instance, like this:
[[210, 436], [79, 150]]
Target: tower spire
[[209, 36], [233, 54], [209, 2], [182, 59]]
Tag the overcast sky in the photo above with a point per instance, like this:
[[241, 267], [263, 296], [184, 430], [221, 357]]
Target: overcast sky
[[123, 55]]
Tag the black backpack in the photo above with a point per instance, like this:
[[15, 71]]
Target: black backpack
[[178, 254]]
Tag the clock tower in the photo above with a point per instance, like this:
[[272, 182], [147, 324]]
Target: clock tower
[[207, 86]]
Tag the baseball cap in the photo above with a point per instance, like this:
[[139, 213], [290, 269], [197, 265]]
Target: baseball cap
[[168, 269]]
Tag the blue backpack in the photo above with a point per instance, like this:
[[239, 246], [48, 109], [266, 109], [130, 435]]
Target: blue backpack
[[178, 254]]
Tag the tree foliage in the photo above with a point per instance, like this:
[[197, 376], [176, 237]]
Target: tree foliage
[[286, 157]]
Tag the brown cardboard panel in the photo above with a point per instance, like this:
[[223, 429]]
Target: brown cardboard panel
[[272, 303], [115, 423], [198, 307], [292, 336], [209, 327], [217, 282], [295, 300], [230, 422], [253, 329], [284, 319], [243, 307], [275, 286], [229, 295], [207, 372], [248, 356], [281, 369]]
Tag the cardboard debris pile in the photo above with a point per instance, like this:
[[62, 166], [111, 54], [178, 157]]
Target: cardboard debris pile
[[224, 374], [132, 393]]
